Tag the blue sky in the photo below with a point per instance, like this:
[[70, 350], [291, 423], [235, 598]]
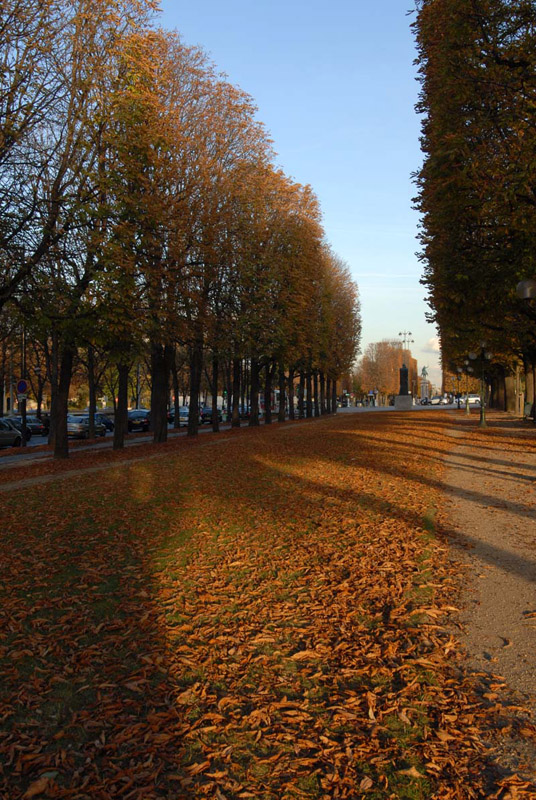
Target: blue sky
[[335, 85]]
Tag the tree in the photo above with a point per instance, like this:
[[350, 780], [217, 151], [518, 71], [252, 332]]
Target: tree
[[476, 187]]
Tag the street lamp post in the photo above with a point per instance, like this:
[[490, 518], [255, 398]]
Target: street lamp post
[[483, 356], [405, 337]]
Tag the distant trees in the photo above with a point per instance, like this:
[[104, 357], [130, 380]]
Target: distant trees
[[379, 369], [477, 186], [145, 228]]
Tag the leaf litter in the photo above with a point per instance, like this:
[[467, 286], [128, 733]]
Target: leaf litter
[[274, 621]]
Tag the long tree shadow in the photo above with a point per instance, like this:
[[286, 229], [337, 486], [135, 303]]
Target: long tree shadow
[[471, 459], [389, 465], [176, 628]]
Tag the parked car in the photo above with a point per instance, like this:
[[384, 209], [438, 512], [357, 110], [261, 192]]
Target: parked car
[[10, 436], [106, 421], [16, 423], [99, 417], [244, 412], [78, 427], [32, 423], [184, 414], [474, 400], [206, 414], [436, 400], [138, 419], [37, 426]]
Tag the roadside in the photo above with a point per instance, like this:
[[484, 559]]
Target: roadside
[[490, 484]]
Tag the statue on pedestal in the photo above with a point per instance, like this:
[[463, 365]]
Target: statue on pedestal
[[403, 380]]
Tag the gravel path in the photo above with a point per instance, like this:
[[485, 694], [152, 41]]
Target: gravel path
[[490, 483]]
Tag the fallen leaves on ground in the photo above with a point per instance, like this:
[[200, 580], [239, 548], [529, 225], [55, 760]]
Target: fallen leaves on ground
[[266, 618]]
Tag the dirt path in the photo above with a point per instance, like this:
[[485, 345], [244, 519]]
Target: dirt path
[[491, 514]]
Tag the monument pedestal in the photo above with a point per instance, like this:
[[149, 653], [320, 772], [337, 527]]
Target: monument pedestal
[[403, 402]]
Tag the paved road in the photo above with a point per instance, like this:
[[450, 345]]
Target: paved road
[[28, 454]]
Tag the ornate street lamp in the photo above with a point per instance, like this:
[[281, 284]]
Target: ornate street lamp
[[483, 356]]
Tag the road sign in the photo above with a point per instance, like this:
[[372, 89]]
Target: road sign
[[22, 386], [21, 397]]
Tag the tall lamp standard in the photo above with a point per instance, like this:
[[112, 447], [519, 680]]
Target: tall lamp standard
[[483, 356], [405, 339]]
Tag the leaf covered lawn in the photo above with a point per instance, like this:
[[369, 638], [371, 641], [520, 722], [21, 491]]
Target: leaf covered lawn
[[261, 615]]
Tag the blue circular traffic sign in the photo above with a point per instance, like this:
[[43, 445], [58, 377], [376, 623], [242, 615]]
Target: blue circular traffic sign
[[22, 386]]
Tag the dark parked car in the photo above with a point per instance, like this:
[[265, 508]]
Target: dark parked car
[[245, 411], [138, 419], [32, 423], [106, 421], [16, 423], [206, 414], [10, 436]]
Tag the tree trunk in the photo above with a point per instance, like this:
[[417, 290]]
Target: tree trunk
[[269, 374], [235, 423], [244, 385], [3, 376], [291, 412], [176, 391], [61, 440], [322, 379], [282, 404], [255, 385], [498, 391], [301, 395], [309, 399], [315, 393], [53, 367], [228, 399], [510, 394], [529, 384], [92, 390], [215, 376], [196, 371], [334, 397], [328, 394], [39, 398], [121, 409], [160, 369]]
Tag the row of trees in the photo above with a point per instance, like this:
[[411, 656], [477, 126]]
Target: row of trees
[[477, 186], [142, 216]]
